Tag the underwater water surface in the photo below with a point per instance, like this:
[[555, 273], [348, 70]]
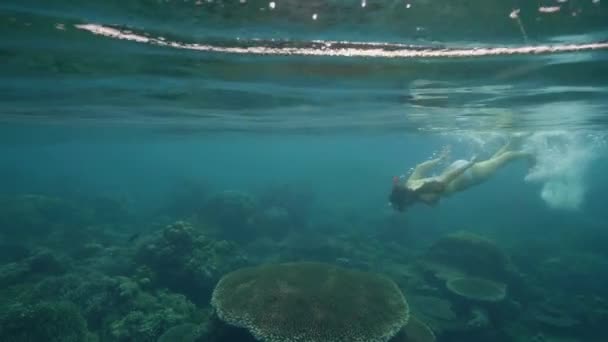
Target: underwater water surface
[[207, 170]]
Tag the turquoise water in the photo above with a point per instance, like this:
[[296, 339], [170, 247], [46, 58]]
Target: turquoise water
[[275, 130]]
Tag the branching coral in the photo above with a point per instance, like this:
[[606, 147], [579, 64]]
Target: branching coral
[[49, 322], [186, 261], [151, 315]]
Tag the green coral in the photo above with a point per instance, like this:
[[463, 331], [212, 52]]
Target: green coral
[[49, 322], [41, 263], [151, 316], [186, 332], [311, 302], [141, 326], [13, 273], [415, 331], [471, 254], [477, 289], [186, 261], [97, 295], [118, 307]]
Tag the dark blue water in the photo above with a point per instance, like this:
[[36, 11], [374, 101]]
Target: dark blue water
[[137, 112]]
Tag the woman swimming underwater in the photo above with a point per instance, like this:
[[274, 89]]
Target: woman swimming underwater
[[458, 176]]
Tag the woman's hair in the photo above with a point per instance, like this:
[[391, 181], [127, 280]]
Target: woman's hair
[[401, 197]]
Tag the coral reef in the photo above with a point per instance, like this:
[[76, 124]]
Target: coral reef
[[47, 321], [81, 269], [151, 315], [117, 307], [184, 260], [549, 317], [436, 312], [41, 263], [415, 331], [470, 254], [311, 301], [479, 319], [477, 289], [435, 307], [443, 316], [95, 294], [580, 272], [186, 332]]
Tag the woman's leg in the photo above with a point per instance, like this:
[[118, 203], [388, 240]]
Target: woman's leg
[[482, 171], [503, 149], [487, 168], [451, 174]]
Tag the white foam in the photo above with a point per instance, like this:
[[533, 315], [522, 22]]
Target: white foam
[[563, 159]]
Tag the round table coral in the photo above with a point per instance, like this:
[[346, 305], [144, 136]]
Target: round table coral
[[415, 331], [477, 289], [311, 302]]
